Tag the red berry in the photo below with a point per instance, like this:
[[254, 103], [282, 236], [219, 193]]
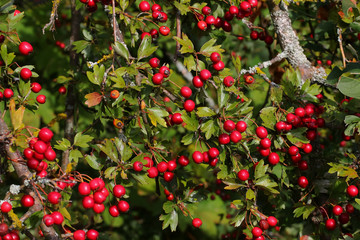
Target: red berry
[[157, 78], [189, 105], [27, 201], [264, 225], [253, 3], [273, 158], [8, 93], [48, 220], [229, 125], [226, 26], [88, 202], [156, 7], [218, 22], [197, 82], [99, 197], [293, 150], [307, 148], [265, 143], [25, 48], [196, 222], [138, 166], [114, 211], [224, 139], [79, 235], [243, 175], [272, 221], [303, 182], [6, 207], [54, 197], [165, 71], [183, 161], [36, 87], [62, 90], [168, 176], [241, 126], [264, 152], [261, 132], [205, 74], [344, 218], [256, 232], [172, 165], [153, 172], [349, 208], [41, 99], [144, 6], [235, 136], [176, 118], [228, 81], [154, 62], [214, 152], [25, 73], [154, 33], [206, 10], [233, 10], [219, 66], [202, 25], [303, 165], [185, 92], [352, 191], [164, 30], [98, 207], [198, 157], [210, 20], [123, 206], [330, 224], [84, 189], [58, 218], [162, 167], [215, 57], [144, 34], [40, 147], [337, 210], [245, 6], [45, 135], [50, 154], [92, 234]]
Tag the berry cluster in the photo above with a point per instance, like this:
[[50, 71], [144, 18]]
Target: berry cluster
[[158, 16], [264, 224], [5, 234], [91, 5]]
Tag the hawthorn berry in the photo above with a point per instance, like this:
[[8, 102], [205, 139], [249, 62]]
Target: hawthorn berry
[[48, 220], [228, 81], [183, 161], [62, 90], [219, 66], [98, 207], [164, 30], [189, 105], [196, 222], [293, 150], [206, 10], [202, 25], [256, 232], [205, 74], [25, 48], [8, 93], [88, 202], [165, 71], [172, 165], [352, 191], [215, 57], [245, 6], [176, 118], [197, 82], [273, 158], [162, 167], [152, 172], [168, 176], [235, 136], [265, 143], [224, 139], [114, 94], [263, 224], [349, 208], [185, 92], [144, 6], [41, 99], [249, 79], [272, 221], [210, 20], [156, 7], [114, 211], [92, 234], [36, 87], [27, 201], [303, 182], [138, 166], [337, 210], [241, 126], [123, 206], [54, 197], [261, 132], [213, 152], [330, 224], [243, 175], [5, 207], [79, 235], [229, 126], [226, 26], [233, 10], [303, 165], [154, 62]]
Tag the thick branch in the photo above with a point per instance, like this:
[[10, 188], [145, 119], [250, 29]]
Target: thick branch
[[289, 41], [70, 98]]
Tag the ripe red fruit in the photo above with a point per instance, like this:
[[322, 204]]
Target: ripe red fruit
[[268, 40], [254, 35], [311, 135], [45, 135], [54, 197], [25, 48], [123, 206], [198, 157], [84, 189], [138, 166], [162, 167], [144, 6], [25, 73], [210, 20], [224, 139], [228, 16], [229, 125], [293, 150], [79, 235], [197, 82], [215, 57], [36, 87], [307, 148], [153, 172], [165, 71], [154, 33], [349, 208], [219, 66], [156, 7], [196, 222], [234, 10], [50, 154], [265, 143], [185, 92], [245, 6], [272, 221], [253, 3], [264, 152], [16, 12], [261, 132], [98, 207], [228, 81], [330, 224], [264, 225], [300, 112], [28, 153], [344, 218], [303, 165], [154, 62], [157, 78], [8, 93], [5, 207], [62, 90], [243, 175], [218, 22], [168, 176], [204, 74], [41, 99], [170, 197], [206, 10], [337, 210], [213, 152], [352, 191], [176, 118], [92, 234], [172, 165], [48, 220], [249, 79], [88, 202], [40, 147], [303, 182], [164, 30], [273, 158], [183, 161], [99, 197], [235, 136], [189, 105], [114, 211], [241, 126], [27, 201], [202, 25], [226, 26], [256, 232]]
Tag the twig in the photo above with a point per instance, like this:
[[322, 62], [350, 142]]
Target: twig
[[178, 34], [143, 114], [341, 46], [53, 16]]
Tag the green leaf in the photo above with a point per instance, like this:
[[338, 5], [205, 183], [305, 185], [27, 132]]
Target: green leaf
[[170, 219], [297, 135], [209, 47], [186, 45], [168, 206], [65, 213], [267, 184], [63, 145], [109, 149], [189, 62], [209, 128], [145, 48], [223, 96], [110, 172], [276, 94], [7, 58], [237, 63], [277, 170], [187, 139], [250, 194], [351, 119], [304, 211], [121, 50], [92, 161], [183, 8], [82, 140], [97, 76], [334, 76], [349, 86], [355, 26], [75, 155], [268, 116], [191, 123], [238, 220], [205, 112], [231, 184], [347, 4], [157, 115], [260, 170], [80, 45], [124, 150]]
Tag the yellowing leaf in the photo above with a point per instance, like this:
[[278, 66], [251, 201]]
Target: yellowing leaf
[[16, 115], [93, 99]]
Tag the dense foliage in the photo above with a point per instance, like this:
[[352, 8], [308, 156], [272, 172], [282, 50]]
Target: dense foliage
[[124, 119]]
